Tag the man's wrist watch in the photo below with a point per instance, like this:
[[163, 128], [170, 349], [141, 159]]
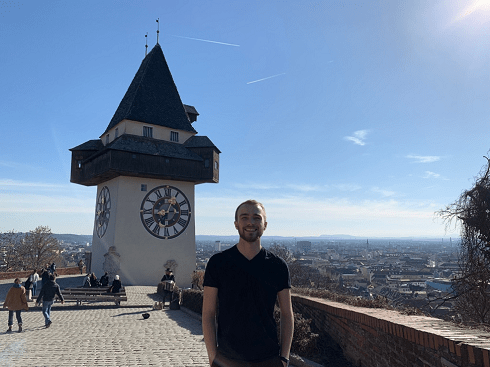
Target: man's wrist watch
[[284, 359]]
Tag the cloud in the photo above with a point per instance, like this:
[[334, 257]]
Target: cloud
[[385, 193], [345, 187], [430, 174], [269, 77], [203, 40], [297, 214], [21, 184], [266, 186], [423, 158], [358, 138]]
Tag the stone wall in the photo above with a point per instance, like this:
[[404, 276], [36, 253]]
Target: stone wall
[[372, 337], [22, 275]]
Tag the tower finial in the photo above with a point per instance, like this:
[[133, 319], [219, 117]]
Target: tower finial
[[146, 46], [158, 30]]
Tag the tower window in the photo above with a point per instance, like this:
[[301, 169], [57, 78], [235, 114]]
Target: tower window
[[174, 136], [117, 132], [107, 139], [215, 164], [206, 163], [148, 131]]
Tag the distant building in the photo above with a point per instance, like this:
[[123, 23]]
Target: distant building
[[303, 246], [217, 246]]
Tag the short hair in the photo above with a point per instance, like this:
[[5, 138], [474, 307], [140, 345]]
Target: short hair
[[17, 280], [249, 202]]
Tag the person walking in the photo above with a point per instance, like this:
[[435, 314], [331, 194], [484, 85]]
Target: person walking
[[44, 275], [244, 283], [47, 294], [34, 280], [16, 301]]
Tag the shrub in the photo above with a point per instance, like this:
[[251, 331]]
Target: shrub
[[192, 299], [198, 279], [304, 340]]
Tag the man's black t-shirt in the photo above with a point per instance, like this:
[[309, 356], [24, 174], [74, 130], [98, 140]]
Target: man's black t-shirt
[[247, 292]]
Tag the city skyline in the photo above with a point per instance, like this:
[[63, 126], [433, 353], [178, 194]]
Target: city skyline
[[359, 119]]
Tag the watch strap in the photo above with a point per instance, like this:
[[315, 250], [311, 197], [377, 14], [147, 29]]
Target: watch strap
[[284, 359]]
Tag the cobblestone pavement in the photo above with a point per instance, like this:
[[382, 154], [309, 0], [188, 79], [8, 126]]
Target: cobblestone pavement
[[103, 336]]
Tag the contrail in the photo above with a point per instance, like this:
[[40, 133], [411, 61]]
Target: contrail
[[259, 80], [199, 39]]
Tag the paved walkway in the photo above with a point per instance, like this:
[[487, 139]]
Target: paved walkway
[[102, 335]]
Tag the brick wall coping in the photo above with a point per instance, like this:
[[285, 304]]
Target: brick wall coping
[[393, 322]]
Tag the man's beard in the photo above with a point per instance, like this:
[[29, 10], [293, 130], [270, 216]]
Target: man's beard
[[250, 236]]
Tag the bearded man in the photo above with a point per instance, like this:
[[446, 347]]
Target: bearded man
[[244, 283]]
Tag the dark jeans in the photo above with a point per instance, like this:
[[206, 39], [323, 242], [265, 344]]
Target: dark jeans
[[221, 361], [17, 315]]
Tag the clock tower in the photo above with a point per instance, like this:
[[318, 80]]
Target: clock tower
[[145, 166]]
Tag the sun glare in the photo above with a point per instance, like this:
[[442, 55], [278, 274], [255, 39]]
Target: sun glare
[[477, 7]]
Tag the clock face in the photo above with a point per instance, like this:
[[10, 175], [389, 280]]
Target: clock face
[[165, 212], [102, 211]]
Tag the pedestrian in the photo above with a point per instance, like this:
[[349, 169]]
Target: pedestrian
[[80, 266], [16, 301], [45, 275], [34, 280], [169, 279], [48, 292], [28, 287], [52, 268], [104, 280], [116, 285], [94, 282], [86, 281], [244, 282]]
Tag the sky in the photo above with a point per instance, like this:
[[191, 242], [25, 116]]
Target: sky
[[342, 117]]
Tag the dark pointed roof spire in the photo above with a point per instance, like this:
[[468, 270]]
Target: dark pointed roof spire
[[152, 97], [158, 29]]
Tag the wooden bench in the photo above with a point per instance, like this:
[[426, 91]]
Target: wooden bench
[[99, 294]]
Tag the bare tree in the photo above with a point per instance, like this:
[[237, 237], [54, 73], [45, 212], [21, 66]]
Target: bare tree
[[282, 252], [301, 275], [39, 248], [472, 212], [10, 243], [472, 286]]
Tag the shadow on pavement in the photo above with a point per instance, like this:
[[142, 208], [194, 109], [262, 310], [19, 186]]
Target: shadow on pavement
[[185, 321]]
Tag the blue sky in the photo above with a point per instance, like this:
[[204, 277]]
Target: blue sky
[[360, 118]]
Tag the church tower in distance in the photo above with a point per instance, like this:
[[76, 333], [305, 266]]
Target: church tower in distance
[[145, 166]]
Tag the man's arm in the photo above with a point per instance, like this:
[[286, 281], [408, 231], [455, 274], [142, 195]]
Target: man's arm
[[209, 306], [287, 321]]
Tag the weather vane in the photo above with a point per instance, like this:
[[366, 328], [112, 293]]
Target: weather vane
[[158, 30], [146, 46]]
